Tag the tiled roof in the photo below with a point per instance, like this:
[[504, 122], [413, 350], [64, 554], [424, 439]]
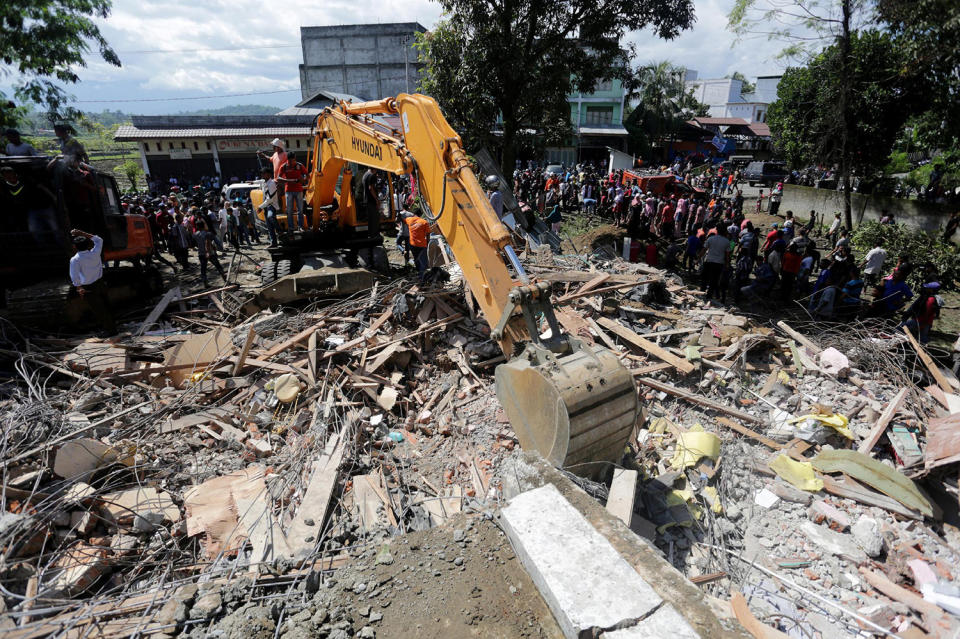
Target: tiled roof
[[760, 128], [129, 132]]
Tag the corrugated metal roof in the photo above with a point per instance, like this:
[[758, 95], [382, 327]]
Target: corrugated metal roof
[[130, 133]]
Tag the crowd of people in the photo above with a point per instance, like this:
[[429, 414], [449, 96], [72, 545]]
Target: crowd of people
[[703, 230]]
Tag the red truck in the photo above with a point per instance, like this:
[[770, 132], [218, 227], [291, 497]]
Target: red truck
[[658, 184]]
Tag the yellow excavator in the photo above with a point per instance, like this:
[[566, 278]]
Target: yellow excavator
[[573, 403]]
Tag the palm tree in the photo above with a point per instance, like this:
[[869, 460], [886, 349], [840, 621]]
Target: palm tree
[[663, 102]]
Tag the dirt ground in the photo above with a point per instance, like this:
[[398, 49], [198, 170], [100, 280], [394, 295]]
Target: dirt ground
[[404, 580]]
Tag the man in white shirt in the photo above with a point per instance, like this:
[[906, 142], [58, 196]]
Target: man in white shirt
[[269, 205], [16, 146], [873, 263], [86, 275]]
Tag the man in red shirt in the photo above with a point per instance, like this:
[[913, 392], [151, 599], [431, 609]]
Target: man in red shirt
[[292, 176]]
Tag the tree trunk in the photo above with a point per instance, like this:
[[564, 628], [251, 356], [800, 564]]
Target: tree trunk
[[508, 155], [845, 115]]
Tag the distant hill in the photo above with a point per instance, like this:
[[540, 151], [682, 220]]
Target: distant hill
[[35, 120], [236, 109]]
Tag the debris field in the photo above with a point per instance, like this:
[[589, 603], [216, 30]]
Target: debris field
[[337, 469]]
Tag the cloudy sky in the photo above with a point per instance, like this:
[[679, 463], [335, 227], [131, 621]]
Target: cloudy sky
[[161, 45]]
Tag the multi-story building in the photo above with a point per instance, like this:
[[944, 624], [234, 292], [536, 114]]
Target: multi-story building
[[371, 61], [726, 99], [597, 120]]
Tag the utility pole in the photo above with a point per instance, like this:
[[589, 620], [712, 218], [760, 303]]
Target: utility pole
[[406, 61]]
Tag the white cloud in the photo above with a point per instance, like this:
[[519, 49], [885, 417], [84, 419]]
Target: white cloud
[[188, 25]]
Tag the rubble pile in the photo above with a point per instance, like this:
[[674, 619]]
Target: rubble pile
[[286, 473]]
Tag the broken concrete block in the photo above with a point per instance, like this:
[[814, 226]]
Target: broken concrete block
[[583, 579], [79, 458], [123, 507], [206, 606], [833, 362], [77, 569], [123, 544], [833, 542], [787, 492], [665, 623], [260, 447], [821, 512], [866, 532], [83, 522]]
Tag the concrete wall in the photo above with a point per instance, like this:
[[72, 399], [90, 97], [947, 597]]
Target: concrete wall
[[918, 215], [367, 60]]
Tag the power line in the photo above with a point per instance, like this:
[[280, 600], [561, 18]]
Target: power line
[[197, 97], [276, 46]]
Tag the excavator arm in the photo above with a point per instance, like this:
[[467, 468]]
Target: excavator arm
[[573, 403]]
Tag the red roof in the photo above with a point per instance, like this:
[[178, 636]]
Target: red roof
[[760, 129]]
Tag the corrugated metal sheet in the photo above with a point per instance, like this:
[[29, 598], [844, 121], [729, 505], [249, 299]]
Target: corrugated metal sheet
[[130, 133], [615, 130]]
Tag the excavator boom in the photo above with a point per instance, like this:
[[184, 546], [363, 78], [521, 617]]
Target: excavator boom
[[573, 403]]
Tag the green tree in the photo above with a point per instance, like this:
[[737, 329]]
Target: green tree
[[43, 43], [803, 120], [132, 170], [805, 27], [519, 59], [663, 103], [928, 32], [747, 86]]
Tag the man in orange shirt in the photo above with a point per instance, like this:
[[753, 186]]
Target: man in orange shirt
[[419, 237]]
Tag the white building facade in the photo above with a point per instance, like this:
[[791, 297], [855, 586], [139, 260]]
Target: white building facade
[[726, 99]]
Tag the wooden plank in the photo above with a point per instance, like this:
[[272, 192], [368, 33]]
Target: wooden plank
[[673, 317], [312, 356], [743, 430], [382, 357], [929, 363], [881, 426], [238, 365], [700, 401], [575, 277], [169, 296], [652, 368], [623, 493], [899, 593], [299, 337], [771, 382], [681, 365], [799, 337], [574, 324], [753, 625], [316, 498], [602, 334], [851, 489]]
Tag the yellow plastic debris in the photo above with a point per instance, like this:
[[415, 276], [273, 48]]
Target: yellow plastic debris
[[836, 421], [694, 445], [710, 494], [800, 474]]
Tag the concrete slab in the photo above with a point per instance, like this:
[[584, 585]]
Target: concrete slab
[[584, 580], [665, 623], [525, 471]]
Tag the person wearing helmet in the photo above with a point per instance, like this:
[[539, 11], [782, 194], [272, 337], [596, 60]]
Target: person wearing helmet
[[493, 192]]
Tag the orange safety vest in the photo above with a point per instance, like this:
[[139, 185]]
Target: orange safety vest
[[419, 231]]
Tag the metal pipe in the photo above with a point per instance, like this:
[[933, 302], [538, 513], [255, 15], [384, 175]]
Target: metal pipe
[[515, 261]]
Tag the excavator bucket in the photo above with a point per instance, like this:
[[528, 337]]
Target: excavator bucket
[[577, 410]]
